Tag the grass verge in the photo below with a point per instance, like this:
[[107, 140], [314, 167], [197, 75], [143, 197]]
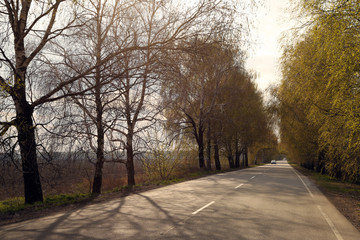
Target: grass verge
[[14, 205], [330, 184]]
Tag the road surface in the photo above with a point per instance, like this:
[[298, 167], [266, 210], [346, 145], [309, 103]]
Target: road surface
[[269, 202]]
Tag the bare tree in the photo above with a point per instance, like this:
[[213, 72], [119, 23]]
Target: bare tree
[[39, 62], [27, 28], [162, 29], [34, 74], [97, 38]]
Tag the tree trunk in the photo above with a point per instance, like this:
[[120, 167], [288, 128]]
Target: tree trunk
[[231, 161], [99, 156], [216, 154], [24, 113], [130, 160], [208, 149], [27, 143], [320, 166], [230, 157], [246, 158], [201, 148], [237, 155], [243, 157], [98, 176], [99, 113], [130, 169]]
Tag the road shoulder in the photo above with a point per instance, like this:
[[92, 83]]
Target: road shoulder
[[344, 196]]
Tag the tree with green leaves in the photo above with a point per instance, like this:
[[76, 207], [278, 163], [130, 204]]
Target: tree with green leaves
[[319, 94]]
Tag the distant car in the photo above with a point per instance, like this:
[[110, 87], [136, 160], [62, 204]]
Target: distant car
[[273, 161]]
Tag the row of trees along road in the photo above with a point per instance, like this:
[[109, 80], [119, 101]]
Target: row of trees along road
[[212, 99], [91, 75], [318, 99]]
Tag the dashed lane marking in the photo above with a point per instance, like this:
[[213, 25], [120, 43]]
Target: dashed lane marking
[[200, 209]]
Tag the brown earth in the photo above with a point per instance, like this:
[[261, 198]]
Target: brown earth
[[347, 203]]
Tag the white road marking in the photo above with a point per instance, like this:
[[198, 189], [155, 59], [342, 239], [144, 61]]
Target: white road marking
[[207, 205], [239, 186], [311, 195], [328, 220], [252, 177], [331, 224]]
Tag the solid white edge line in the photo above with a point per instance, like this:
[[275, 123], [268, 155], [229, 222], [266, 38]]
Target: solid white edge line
[[207, 205], [330, 223], [328, 220], [307, 188], [239, 186]]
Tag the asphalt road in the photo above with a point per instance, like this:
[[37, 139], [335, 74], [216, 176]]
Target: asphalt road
[[267, 202]]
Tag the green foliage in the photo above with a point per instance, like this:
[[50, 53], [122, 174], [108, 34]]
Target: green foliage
[[18, 204], [12, 205], [332, 184], [319, 97], [65, 199]]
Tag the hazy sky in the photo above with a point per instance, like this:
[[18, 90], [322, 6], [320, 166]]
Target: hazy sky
[[272, 20]]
